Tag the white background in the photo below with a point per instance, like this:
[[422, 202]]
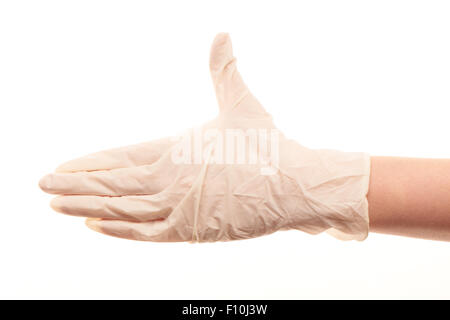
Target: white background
[[81, 76]]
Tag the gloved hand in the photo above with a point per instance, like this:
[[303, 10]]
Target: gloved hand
[[237, 177]]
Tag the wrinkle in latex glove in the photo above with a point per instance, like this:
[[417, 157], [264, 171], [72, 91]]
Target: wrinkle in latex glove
[[172, 190]]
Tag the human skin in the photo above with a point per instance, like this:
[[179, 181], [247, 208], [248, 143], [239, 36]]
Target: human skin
[[410, 197]]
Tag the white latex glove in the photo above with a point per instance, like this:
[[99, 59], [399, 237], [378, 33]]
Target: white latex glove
[[157, 191]]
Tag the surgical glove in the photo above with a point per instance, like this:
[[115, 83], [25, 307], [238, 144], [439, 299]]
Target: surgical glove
[[236, 177]]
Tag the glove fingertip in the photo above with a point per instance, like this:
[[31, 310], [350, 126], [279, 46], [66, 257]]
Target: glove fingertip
[[221, 52], [94, 224]]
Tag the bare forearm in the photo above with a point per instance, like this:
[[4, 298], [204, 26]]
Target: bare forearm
[[410, 197]]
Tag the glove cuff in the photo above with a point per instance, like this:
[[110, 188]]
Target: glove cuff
[[334, 187]]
